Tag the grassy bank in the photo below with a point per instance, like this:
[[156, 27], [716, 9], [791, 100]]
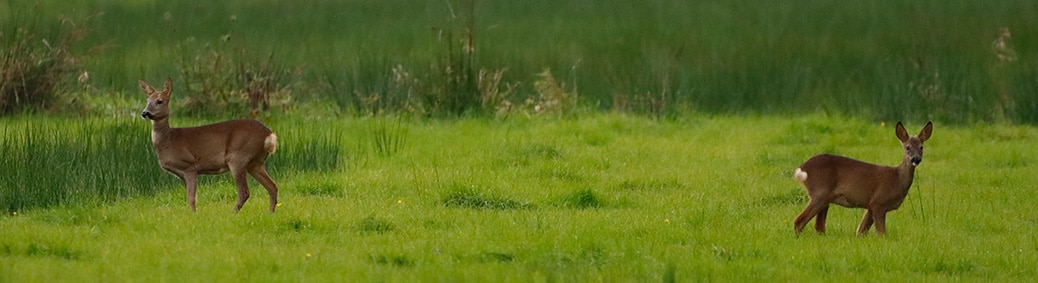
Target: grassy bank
[[602, 197]]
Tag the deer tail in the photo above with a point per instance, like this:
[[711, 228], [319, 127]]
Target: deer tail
[[271, 143], [801, 175]]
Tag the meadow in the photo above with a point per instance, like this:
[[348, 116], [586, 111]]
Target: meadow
[[596, 198], [519, 141]]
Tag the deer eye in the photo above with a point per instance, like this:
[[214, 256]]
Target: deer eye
[[158, 102]]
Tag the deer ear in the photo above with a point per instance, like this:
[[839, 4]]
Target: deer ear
[[145, 87], [901, 133], [925, 133], [167, 88]]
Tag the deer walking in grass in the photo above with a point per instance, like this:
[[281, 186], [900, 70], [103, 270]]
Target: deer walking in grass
[[856, 184], [238, 146]]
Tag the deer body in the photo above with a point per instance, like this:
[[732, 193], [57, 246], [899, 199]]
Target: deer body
[[239, 146], [855, 184]]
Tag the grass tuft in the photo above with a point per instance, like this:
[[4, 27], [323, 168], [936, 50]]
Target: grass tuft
[[388, 137], [794, 196], [321, 189], [374, 225], [65, 253], [488, 257], [297, 225], [469, 198], [582, 199], [393, 260], [541, 151]]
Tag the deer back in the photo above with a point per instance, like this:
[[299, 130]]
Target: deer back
[[209, 148], [850, 182]]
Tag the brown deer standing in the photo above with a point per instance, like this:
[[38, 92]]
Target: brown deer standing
[[238, 146], [856, 184]]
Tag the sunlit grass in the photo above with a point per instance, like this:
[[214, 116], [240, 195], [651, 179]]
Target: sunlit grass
[[605, 197]]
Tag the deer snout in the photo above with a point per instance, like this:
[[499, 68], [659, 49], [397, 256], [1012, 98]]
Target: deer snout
[[146, 115], [916, 160]]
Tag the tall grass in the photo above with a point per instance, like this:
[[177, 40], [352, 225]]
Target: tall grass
[[388, 137], [875, 59], [49, 162], [306, 147], [66, 162]]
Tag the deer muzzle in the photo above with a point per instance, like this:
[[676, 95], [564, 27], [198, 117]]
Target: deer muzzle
[[916, 160], [147, 115]]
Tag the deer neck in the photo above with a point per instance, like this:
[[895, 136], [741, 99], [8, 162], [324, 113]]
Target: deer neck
[[159, 131], [905, 174]]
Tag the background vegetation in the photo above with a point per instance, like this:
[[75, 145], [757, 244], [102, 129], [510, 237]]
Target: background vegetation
[[961, 61]]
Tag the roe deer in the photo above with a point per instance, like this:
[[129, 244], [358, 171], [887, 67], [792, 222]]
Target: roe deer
[[856, 184], [238, 146]]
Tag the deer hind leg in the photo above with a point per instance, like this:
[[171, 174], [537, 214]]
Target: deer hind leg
[[260, 174], [820, 219], [242, 184], [866, 223], [814, 206]]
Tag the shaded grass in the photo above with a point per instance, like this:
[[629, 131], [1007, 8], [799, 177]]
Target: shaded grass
[[55, 162], [39, 59], [879, 60]]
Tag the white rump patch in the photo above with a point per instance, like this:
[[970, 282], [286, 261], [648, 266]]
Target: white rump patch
[[800, 175], [271, 143]]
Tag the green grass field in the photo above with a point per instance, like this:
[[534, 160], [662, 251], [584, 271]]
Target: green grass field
[[595, 198], [671, 160]]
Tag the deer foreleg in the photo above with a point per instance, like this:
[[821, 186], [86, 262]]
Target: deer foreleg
[[880, 217], [190, 186], [243, 186]]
